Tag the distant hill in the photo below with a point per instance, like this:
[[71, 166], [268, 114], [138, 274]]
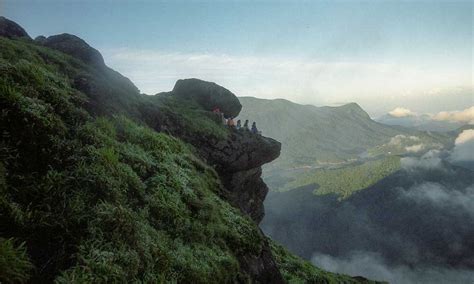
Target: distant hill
[[421, 122], [322, 135]]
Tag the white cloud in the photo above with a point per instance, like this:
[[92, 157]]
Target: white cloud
[[401, 112], [464, 116], [464, 137], [415, 148], [464, 146], [441, 196], [430, 160], [400, 139], [373, 266], [299, 79]]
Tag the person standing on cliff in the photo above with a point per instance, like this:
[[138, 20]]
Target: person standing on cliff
[[254, 128], [224, 121], [246, 125], [231, 122], [239, 124]]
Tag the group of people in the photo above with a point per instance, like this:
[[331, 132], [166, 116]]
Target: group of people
[[231, 123]]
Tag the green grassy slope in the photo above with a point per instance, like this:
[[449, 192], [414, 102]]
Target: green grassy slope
[[106, 199], [346, 180]]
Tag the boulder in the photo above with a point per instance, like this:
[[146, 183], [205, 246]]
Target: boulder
[[208, 95], [76, 47], [11, 29]]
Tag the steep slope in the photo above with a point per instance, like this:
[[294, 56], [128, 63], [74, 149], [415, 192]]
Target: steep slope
[[95, 188]]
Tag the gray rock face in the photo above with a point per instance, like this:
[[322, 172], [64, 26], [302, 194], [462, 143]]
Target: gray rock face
[[76, 47], [238, 161], [209, 95], [11, 29]]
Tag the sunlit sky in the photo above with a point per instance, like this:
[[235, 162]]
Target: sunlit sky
[[380, 54]]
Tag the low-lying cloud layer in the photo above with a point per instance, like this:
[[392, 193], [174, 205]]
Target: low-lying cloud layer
[[443, 197], [464, 147], [401, 112], [373, 266], [429, 161], [415, 226], [465, 116]]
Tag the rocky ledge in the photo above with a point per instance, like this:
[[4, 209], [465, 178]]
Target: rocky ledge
[[238, 160]]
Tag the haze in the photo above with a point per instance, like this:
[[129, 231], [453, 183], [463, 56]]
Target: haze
[[382, 55]]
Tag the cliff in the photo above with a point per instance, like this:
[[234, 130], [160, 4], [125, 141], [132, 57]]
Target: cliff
[[99, 183]]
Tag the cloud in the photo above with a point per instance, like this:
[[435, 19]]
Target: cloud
[[465, 137], [430, 160], [464, 146], [297, 78], [400, 139], [401, 112], [463, 116], [416, 148], [440, 196], [371, 265]]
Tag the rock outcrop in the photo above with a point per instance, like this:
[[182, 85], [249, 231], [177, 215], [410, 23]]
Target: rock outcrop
[[238, 160], [209, 95], [11, 29], [76, 47]]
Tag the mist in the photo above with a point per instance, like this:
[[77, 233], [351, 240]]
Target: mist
[[371, 265], [415, 226]]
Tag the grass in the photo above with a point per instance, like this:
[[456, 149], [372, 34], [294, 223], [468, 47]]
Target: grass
[[14, 263], [105, 199], [90, 198], [346, 180]]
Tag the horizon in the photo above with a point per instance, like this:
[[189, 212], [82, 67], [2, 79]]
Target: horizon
[[384, 56]]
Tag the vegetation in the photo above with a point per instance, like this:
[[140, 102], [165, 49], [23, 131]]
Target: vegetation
[[14, 262], [87, 198], [323, 136], [106, 199], [189, 116], [346, 180]]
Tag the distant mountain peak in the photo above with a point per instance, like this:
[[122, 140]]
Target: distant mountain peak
[[353, 109]]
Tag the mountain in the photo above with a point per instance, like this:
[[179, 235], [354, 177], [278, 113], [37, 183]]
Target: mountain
[[422, 122], [99, 183], [326, 137]]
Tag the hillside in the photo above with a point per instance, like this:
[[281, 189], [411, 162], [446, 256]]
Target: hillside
[[99, 183], [317, 135], [318, 138]]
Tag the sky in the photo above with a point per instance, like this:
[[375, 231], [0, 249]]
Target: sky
[[416, 55]]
